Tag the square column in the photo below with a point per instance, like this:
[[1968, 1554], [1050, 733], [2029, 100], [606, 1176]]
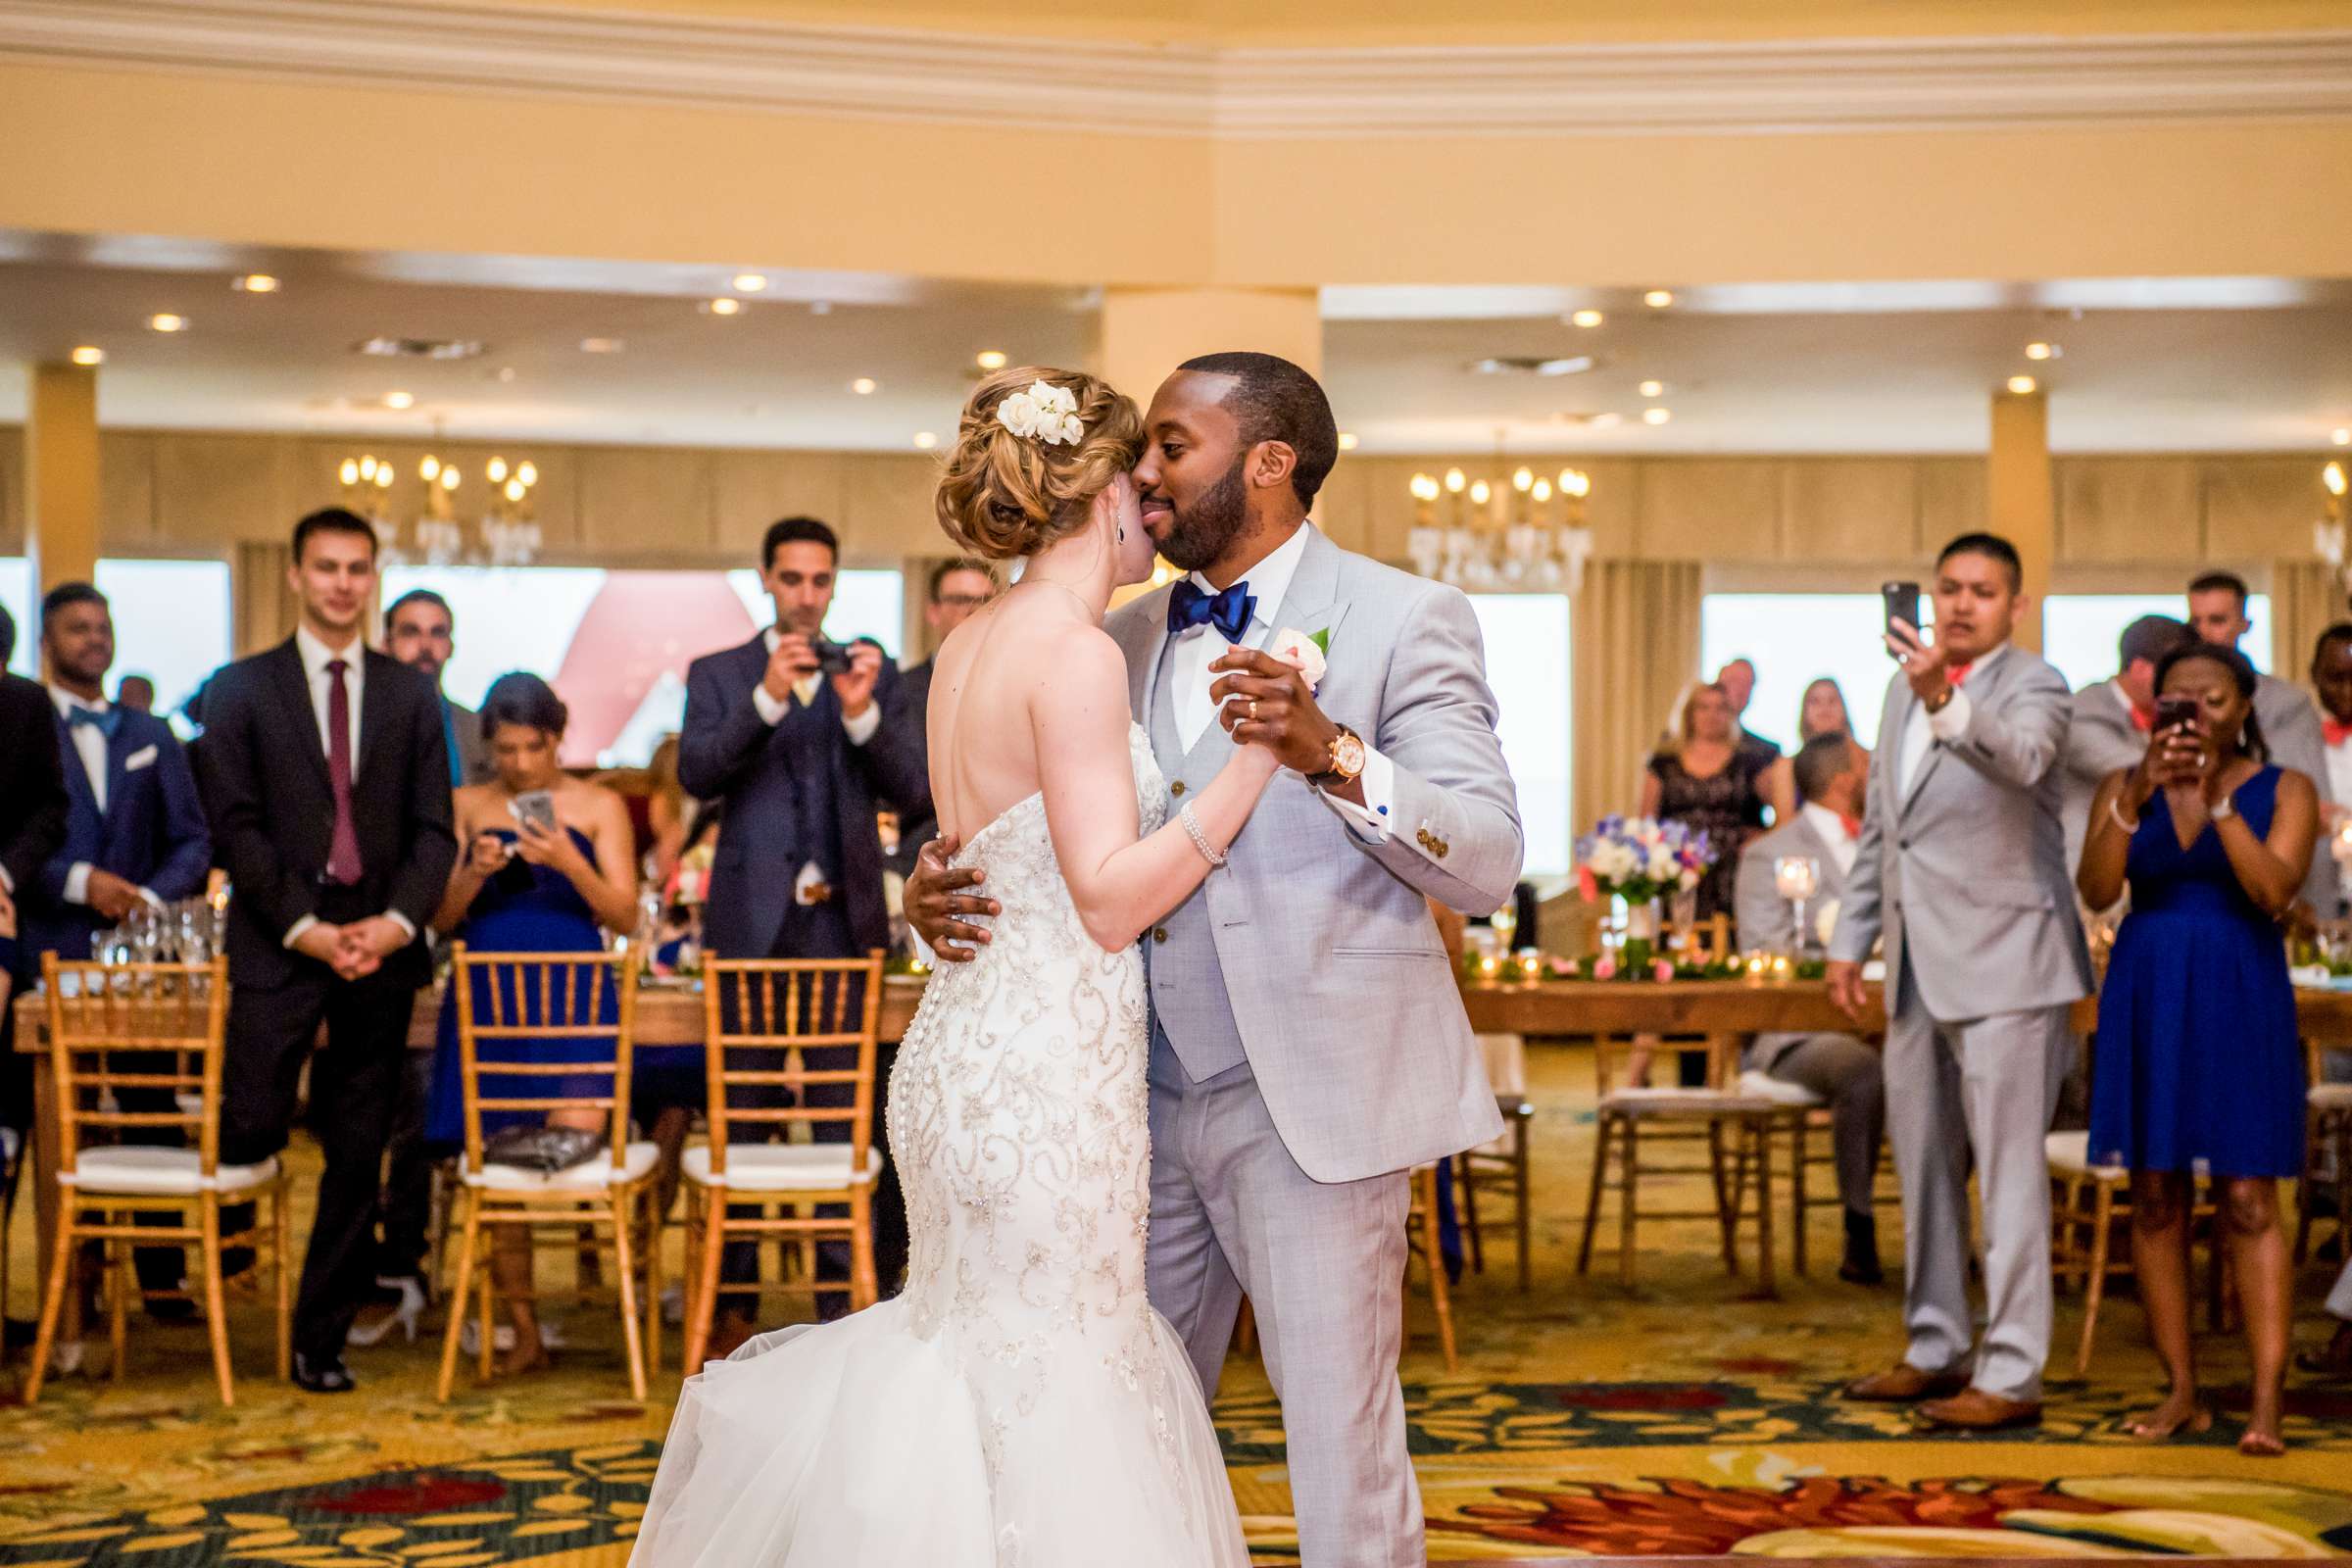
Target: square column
[[61, 476], [2020, 499]]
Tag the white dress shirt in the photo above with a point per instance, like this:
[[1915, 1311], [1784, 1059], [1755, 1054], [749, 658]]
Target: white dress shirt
[[2340, 775], [1947, 724], [90, 744], [1831, 829], [1199, 647], [315, 657], [804, 691]]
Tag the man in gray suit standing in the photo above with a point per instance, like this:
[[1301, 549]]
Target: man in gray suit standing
[[1309, 1046], [1831, 776], [2290, 722], [1962, 867], [2108, 723]]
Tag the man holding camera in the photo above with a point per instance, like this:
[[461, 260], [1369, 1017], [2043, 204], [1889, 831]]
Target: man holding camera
[[798, 740]]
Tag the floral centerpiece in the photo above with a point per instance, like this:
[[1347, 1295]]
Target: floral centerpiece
[[1641, 860]]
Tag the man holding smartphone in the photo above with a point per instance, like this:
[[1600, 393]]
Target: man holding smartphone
[[1962, 866], [799, 740]]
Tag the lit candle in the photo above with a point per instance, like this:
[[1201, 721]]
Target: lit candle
[[1490, 966]]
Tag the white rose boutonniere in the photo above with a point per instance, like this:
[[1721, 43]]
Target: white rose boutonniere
[[1303, 652]]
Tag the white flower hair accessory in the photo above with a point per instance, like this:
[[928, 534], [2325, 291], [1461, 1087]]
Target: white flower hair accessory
[[1045, 413]]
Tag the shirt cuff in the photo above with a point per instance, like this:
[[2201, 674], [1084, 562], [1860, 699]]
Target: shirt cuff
[[771, 711], [77, 883], [153, 897], [1369, 822], [403, 921], [861, 729], [8, 884], [294, 932], [1950, 721]]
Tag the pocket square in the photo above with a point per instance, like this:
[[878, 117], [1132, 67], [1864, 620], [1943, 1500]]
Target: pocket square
[[144, 757]]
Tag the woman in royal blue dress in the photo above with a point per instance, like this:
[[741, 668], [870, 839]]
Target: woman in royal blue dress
[[523, 889], [2198, 1058]]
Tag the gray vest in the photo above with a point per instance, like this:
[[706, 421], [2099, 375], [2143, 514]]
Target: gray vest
[[1189, 1001]]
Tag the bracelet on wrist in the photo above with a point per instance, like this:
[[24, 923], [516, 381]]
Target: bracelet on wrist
[[1192, 825]]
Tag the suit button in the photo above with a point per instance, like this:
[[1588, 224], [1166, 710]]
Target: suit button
[[1903, 844], [1176, 788], [1159, 933], [1442, 849]]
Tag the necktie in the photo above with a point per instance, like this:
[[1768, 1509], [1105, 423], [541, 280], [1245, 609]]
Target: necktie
[[1228, 611], [448, 739], [2336, 730], [1852, 824], [105, 723], [806, 690], [343, 849], [1957, 674]]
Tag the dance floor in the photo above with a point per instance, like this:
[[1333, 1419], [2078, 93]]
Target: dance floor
[[1685, 1421]]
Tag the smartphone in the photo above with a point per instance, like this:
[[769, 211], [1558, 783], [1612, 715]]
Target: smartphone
[[2176, 712], [1902, 603], [832, 659], [534, 807]]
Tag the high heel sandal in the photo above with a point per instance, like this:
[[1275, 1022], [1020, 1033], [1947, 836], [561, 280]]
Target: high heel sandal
[[403, 1316]]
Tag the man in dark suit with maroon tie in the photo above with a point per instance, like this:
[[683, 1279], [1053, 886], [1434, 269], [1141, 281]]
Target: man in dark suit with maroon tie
[[325, 773]]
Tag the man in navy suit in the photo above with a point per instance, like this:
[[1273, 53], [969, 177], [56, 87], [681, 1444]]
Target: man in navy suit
[[135, 831], [799, 762]]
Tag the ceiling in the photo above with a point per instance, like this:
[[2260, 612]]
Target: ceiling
[[2193, 364]]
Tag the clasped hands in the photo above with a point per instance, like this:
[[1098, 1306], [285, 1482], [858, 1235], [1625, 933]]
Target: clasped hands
[[357, 949]]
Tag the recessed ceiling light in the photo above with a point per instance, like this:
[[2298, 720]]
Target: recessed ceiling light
[[86, 355], [2022, 384], [2341, 437], [2043, 351], [166, 322], [601, 345], [864, 386], [1587, 318], [1654, 389], [400, 400], [722, 306], [990, 358], [749, 282], [1658, 299], [1656, 416], [256, 284], [1346, 440], [924, 440]]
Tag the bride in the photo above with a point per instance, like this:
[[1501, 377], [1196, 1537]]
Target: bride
[[1020, 1403]]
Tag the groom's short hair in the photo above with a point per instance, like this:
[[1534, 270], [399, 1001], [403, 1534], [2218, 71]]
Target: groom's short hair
[[1274, 400]]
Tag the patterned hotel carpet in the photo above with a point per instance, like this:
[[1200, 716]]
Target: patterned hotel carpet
[[1687, 1420]]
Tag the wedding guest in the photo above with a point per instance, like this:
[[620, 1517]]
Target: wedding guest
[[2108, 722], [2331, 679], [135, 836], [325, 773], [32, 824], [420, 631], [523, 888], [1821, 711], [959, 588], [1708, 781], [1833, 774], [2290, 722], [2199, 1060], [135, 694], [799, 762], [1737, 679], [1962, 866]]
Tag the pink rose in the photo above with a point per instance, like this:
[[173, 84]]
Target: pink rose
[[1300, 651], [1604, 968], [1663, 969]]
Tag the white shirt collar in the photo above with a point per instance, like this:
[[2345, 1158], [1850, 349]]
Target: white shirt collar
[[316, 655], [1986, 660], [1826, 822], [2123, 698], [1270, 579], [66, 702]]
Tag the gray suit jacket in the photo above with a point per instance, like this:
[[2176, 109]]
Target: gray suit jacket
[[1768, 921], [1965, 871], [2290, 727], [2100, 738], [474, 748], [1332, 967]]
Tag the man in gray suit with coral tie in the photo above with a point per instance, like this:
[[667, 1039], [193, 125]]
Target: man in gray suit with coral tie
[[1962, 866]]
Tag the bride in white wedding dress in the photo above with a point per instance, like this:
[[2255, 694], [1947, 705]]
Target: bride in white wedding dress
[[1021, 1404]]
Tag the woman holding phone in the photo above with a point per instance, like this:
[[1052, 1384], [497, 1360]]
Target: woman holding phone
[[2198, 1057], [548, 860]]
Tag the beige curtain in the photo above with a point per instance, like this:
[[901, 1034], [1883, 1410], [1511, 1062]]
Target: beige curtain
[[263, 605], [1637, 645], [2307, 597]]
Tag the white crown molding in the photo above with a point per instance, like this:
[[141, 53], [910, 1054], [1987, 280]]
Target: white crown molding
[[1134, 88]]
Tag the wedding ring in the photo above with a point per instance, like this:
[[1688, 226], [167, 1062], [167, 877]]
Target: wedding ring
[[1253, 710]]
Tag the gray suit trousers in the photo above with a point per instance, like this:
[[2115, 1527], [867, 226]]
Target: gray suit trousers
[[1987, 1086], [1323, 1265]]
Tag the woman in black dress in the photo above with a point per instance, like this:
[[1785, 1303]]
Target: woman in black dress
[[1704, 780]]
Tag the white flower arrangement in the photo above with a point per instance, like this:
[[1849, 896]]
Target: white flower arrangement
[[1045, 413]]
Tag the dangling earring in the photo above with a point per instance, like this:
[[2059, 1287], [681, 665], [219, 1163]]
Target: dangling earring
[[1122, 533]]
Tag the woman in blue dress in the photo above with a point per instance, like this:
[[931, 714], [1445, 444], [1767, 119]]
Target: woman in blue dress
[[521, 888], [2198, 1058]]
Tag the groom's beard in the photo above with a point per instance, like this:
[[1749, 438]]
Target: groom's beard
[[1198, 534]]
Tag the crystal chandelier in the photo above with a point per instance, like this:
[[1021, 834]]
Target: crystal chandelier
[[504, 536], [1502, 539]]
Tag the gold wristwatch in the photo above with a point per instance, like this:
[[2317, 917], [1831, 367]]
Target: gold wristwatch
[[1347, 757]]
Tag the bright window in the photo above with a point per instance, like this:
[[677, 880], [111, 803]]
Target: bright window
[[1793, 640], [1526, 664], [172, 621], [2080, 631]]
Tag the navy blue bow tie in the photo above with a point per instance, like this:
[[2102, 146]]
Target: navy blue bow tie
[[105, 724], [1228, 611]]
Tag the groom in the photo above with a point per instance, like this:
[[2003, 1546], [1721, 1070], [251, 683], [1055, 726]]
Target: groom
[[1309, 1047]]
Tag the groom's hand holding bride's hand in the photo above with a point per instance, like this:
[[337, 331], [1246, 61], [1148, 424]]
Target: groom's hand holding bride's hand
[[936, 905], [1264, 702]]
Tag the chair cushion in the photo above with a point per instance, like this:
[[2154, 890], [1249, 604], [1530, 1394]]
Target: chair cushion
[[589, 1176], [2330, 1096], [1506, 1061], [161, 1173], [2070, 1153], [1766, 1087], [1670, 1101], [784, 1167]]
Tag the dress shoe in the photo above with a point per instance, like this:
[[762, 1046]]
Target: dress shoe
[[1861, 1265], [322, 1376], [1974, 1410], [400, 1303], [1905, 1384]]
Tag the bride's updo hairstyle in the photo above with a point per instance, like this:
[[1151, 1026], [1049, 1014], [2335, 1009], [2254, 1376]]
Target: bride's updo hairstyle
[[1007, 494]]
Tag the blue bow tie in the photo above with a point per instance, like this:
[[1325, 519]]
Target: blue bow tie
[[1228, 611], [105, 723]]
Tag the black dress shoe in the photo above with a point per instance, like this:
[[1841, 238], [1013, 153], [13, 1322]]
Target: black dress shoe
[[322, 1376]]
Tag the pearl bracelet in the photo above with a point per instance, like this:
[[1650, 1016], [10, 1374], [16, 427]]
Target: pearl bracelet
[[1192, 825]]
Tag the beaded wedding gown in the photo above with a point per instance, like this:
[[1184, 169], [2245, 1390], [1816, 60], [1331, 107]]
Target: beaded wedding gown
[[1021, 1404]]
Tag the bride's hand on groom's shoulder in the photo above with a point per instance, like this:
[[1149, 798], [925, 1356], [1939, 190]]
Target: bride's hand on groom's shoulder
[[938, 906]]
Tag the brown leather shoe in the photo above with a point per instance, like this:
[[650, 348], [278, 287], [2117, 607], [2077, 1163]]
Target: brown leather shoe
[[1904, 1384], [1974, 1410]]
